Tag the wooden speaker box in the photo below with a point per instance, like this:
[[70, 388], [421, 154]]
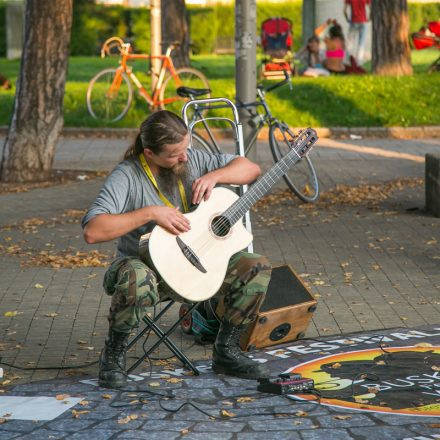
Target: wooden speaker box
[[285, 314]]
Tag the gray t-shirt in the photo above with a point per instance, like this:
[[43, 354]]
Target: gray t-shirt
[[128, 188]]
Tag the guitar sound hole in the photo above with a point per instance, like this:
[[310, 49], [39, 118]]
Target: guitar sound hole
[[220, 226]]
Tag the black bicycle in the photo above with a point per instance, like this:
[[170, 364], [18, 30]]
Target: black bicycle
[[301, 179]]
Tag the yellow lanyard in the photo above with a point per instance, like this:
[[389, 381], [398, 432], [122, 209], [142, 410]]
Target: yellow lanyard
[[153, 181]]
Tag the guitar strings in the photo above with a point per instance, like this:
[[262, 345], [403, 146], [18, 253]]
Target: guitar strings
[[226, 222]]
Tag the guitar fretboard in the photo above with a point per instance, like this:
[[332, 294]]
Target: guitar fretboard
[[265, 183]]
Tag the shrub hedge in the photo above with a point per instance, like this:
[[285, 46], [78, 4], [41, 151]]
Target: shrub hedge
[[93, 23]]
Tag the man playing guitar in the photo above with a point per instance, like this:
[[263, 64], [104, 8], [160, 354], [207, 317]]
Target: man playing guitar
[[152, 185]]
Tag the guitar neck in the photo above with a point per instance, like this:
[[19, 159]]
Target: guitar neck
[[238, 209]]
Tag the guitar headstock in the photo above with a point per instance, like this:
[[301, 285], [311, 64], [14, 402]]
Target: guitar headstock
[[304, 141]]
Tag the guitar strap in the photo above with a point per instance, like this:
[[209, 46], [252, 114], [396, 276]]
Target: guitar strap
[[161, 195]]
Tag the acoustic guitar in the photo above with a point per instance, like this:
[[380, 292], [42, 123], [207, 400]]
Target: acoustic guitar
[[194, 263]]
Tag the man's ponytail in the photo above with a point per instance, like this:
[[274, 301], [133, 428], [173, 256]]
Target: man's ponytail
[[135, 149]]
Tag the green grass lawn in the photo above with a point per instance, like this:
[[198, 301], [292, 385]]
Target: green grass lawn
[[335, 101]]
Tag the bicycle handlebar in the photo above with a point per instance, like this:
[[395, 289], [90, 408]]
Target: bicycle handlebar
[[197, 102]]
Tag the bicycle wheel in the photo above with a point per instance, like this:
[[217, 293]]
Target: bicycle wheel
[[188, 77], [198, 143], [109, 95], [301, 178]]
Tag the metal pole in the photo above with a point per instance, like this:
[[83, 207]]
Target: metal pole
[[308, 19], [156, 39], [246, 59]]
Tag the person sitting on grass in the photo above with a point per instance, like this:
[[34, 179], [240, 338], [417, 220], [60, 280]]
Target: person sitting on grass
[[313, 57], [331, 33]]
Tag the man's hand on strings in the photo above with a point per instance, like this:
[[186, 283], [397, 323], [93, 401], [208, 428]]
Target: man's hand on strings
[[202, 188], [171, 219]]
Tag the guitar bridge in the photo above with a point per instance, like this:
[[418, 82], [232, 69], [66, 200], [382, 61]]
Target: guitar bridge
[[190, 255]]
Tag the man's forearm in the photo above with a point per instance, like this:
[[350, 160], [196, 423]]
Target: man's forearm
[[239, 171], [105, 227]]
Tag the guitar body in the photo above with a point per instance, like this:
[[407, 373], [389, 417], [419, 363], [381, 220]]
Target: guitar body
[[213, 251]]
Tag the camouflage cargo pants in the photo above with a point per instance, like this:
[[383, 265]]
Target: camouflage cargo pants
[[134, 287]]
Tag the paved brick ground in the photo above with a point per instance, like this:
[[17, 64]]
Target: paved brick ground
[[137, 414], [391, 251]]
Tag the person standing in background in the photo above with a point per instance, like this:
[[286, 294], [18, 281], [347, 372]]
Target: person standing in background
[[357, 17]]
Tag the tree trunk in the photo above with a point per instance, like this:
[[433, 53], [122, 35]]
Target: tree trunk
[[391, 53], [175, 28], [38, 108]]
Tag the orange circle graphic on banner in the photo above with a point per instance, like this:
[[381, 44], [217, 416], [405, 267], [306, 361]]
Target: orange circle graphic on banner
[[402, 380]]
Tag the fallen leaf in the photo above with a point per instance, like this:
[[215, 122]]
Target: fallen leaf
[[423, 344], [127, 419], [435, 368], [154, 384], [2, 420], [225, 413], [342, 417], [301, 414], [434, 425], [174, 380], [51, 315], [336, 365], [83, 402], [373, 390], [380, 363], [76, 414], [318, 283], [245, 399], [39, 286], [12, 314], [184, 431], [106, 396], [81, 342]]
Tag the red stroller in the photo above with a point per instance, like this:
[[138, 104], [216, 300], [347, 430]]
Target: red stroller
[[428, 37], [276, 39]]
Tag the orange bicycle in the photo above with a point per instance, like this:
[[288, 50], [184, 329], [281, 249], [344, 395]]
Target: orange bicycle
[[110, 92]]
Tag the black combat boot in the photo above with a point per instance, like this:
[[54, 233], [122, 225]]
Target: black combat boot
[[112, 372], [228, 358]]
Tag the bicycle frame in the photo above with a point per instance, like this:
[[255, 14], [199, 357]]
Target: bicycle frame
[[166, 65], [258, 120]]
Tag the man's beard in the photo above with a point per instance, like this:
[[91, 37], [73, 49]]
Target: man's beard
[[168, 176]]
